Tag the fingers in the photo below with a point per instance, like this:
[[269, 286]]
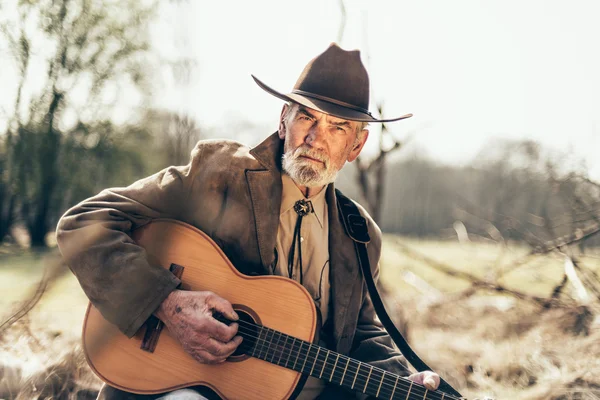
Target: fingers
[[429, 379], [220, 331], [203, 336], [214, 352], [220, 349], [217, 303], [205, 357]]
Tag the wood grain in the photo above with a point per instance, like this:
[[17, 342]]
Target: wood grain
[[120, 362]]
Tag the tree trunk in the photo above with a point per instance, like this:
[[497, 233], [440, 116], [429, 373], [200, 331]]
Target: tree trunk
[[48, 154], [7, 206]]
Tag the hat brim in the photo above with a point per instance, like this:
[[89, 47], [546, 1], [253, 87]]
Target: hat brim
[[326, 107]]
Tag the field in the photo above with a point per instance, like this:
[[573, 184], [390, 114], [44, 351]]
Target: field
[[486, 343]]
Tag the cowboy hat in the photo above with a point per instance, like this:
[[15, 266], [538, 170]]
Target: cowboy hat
[[336, 83]]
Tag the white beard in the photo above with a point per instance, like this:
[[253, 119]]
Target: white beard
[[305, 172]]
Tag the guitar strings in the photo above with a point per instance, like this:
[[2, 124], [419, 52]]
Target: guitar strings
[[385, 387], [248, 331], [362, 374]]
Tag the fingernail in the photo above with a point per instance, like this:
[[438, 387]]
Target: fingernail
[[235, 316]]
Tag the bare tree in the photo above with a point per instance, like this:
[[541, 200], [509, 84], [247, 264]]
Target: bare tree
[[88, 46], [371, 174]]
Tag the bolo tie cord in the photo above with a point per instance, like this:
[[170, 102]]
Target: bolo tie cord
[[302, 208]]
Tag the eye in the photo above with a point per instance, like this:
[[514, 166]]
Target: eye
[[341, 129]]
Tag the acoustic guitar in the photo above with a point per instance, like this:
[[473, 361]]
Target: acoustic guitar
[[278, 322]]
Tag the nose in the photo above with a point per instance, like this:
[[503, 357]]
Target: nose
[[316, 135]]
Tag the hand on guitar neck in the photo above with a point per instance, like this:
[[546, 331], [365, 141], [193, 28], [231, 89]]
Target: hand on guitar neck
[[429, 379], [189, 317]]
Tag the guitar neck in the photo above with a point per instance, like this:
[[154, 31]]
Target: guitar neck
[[292, 353]]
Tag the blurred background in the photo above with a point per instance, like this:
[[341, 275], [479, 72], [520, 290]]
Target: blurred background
[[489, 197]]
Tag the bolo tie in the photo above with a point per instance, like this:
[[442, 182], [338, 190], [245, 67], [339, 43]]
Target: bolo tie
[[302, 208]]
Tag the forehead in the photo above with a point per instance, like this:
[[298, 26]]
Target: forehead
[[318, 115]]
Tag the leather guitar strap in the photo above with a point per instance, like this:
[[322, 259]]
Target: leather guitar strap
[[356, 228]]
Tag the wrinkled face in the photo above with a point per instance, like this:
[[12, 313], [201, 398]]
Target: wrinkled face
[[317, 145]]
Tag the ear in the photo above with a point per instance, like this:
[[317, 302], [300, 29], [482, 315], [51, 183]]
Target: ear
[[282, 126], [357, 148]]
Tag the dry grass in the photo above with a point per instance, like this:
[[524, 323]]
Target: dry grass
[[40, 318], [43, 365], [496, 345], [484, 344], [519, 353]]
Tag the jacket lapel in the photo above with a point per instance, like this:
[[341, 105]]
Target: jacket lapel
[[343, 268], [265, 192]]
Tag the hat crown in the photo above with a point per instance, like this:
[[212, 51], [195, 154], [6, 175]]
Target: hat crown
[[335, 83], [338, 75]]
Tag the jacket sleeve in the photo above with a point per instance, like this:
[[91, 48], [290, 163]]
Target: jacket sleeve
[[372, 343], [94, 240]]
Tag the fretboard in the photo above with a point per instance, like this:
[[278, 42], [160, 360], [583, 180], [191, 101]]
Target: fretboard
[[292, 353]]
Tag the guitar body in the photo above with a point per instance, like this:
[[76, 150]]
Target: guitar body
[[279, 303]]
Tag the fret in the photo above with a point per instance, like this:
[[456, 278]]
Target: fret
[[297, 354], [306, 357], [283, 348], [367, 382], [396, 384], [290, 352], [315, 362], [270, 343], [324, 362], [333, 369], [356, 375], [379, 388], [409, 388], [264, 344], [345, 369], [264, 332], [276, 345], [256, 342]]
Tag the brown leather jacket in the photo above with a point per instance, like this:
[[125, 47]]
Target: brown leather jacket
[[231, 193]]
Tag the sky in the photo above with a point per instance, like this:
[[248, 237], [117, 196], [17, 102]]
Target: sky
[[470, 71]]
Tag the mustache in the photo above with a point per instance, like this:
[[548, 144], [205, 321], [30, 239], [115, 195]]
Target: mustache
[[312, 153]]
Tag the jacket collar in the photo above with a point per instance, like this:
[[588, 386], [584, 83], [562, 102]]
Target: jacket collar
[[265, 194], [269, 152]]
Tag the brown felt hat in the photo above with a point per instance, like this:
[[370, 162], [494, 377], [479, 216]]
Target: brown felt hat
[[336, 83]]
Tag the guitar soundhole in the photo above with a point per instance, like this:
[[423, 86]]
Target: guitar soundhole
[[248, 330]]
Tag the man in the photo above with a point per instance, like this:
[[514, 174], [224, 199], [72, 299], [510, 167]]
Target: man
[[272, 209]]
